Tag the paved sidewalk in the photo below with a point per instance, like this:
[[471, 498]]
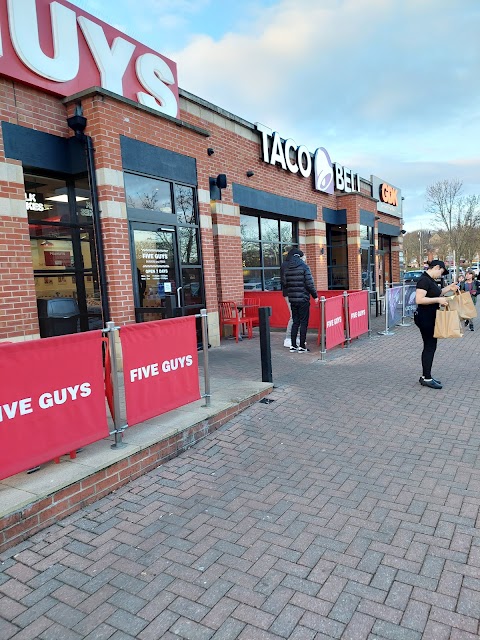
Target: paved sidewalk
[[347, 508]]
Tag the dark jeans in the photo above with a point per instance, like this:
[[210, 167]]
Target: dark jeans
[[300, 314], [427, 326]]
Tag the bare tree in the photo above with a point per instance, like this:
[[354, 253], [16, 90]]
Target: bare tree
[[457, 215]]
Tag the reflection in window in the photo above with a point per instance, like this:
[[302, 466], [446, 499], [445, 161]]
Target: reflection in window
[[337, 257], [251, 254], [184, 204], [265, 242], [188, 245], [192, 286], [147, 193]]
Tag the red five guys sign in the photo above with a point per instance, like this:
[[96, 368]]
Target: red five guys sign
[[58, 47], [160, 367], [52, 399]]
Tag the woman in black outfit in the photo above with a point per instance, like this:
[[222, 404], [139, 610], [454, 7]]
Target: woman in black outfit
[[429, 297]]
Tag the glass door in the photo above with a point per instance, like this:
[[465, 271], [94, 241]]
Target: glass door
[[156, 265]]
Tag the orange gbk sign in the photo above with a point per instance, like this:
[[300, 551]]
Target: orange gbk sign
[[388, 194]]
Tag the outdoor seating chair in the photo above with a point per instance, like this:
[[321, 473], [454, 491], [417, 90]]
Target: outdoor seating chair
[[230, 314], [250, 310]]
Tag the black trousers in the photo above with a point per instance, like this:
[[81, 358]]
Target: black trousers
[[427, 326], [300, 315]]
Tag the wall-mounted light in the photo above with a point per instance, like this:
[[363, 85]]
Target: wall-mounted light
[[377, 217], [360, 250], [216, 186], [250, 174], [322, 251], [210, 151], [403, 232]]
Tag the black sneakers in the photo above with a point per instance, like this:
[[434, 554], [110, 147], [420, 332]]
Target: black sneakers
[[432, 383]]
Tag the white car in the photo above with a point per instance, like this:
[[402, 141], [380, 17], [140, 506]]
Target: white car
[[476, 267]]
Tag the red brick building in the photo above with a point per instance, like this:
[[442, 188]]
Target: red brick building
[[136, 212]]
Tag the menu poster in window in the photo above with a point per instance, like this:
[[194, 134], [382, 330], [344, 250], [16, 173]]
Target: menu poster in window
[[155, 264], [58, 258]]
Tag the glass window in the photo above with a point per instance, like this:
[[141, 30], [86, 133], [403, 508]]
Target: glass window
[[63, 252], [269, 230], [337, 257], [154, 252], [46, 199], [265, 241], [147, 193], [251, 254], [184, 204], [188, 245], [249, 228], [192, 287]]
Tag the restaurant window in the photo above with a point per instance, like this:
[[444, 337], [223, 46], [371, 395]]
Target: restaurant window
[[337, 257], [63, 246], [265, 241]]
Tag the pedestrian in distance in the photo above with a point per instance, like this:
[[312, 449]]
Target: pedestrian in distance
[[288, 334], [472, 286], [429, 297], [299, 285]]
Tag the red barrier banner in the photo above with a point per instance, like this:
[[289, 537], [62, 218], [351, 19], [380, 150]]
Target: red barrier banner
[[160, 367], [334, 322], [52, 399], [358, 313]]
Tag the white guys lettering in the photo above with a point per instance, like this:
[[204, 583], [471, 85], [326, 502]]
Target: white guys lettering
[[47, 400], [60, 396], [150, 370], [152, 72]]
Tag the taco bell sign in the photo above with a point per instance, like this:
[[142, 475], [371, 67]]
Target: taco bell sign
[[59, 48], [297, 159]]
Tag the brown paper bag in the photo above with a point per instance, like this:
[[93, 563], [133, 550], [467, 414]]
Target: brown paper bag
[[447, 324], [467, 309]]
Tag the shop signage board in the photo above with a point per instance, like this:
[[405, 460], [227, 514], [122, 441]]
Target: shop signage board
[[55, 46], [52, 399], [294, 158], [389, 197], [334, 322], [160, 367]]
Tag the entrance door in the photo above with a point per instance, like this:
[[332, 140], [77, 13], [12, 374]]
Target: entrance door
[[166, 262], [156, 263]]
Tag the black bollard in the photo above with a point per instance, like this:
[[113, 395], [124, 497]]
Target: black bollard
[[264, 314]]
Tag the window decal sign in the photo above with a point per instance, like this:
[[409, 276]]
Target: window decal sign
[[55, 46]]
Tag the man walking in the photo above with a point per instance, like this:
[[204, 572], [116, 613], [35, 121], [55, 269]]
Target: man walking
[[298, 283]]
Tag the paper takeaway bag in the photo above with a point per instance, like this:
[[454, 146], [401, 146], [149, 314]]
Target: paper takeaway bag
[[447, 324], [463, 303]]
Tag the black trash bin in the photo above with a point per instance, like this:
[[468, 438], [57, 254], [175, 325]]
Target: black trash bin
[[57, 316]]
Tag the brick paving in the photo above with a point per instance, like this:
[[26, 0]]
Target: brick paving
[[348, 508]]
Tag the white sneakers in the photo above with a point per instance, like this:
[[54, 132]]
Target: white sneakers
[[287, 343]]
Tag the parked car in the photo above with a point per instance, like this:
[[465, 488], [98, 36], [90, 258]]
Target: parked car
[[410, 277], [252, 286], [476, 267]]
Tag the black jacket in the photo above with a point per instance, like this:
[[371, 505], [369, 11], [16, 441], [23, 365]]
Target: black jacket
[[298, 282]]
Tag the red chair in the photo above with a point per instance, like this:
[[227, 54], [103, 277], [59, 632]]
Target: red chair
[[230, 314], [250, 310]]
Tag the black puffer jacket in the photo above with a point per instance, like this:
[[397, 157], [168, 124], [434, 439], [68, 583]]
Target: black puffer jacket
[[298, 281]]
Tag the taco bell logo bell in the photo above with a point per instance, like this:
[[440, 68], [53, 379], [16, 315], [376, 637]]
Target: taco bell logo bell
[[323, 171]]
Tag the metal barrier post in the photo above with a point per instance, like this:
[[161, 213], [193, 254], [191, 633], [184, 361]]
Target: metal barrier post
[[323, 350], [403, 323], [206, 372], [387, 332], [348, 340], [119, 428], [264, 314], [370, 313]]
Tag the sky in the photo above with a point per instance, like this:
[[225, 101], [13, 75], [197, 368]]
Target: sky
[[388, 87]]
